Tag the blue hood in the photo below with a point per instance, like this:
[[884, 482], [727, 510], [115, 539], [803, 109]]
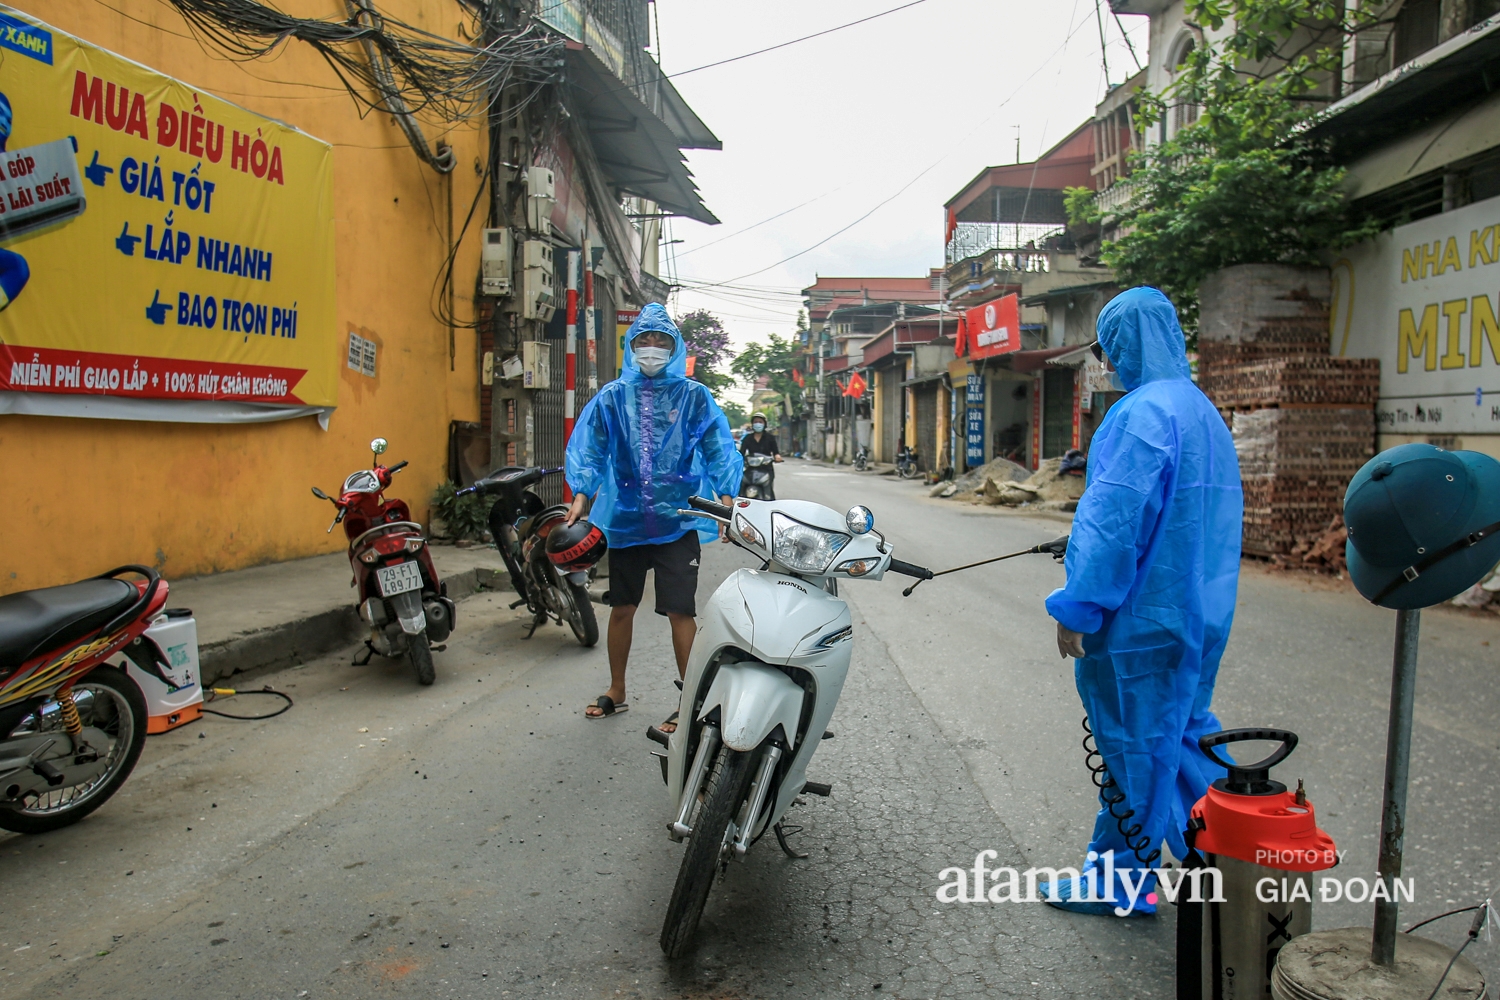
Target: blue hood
[[654, 317], [1138, 329]]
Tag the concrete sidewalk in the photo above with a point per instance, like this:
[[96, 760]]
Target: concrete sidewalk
[[284, 614]]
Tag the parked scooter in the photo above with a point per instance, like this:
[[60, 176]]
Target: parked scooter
[[72, 726], [759, 480], [906, 463], [548, 559], [762, 682], [399, 593], [861, 458]]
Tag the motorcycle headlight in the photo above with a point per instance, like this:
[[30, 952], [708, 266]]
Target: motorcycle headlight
[[747, 531], [802, 548]]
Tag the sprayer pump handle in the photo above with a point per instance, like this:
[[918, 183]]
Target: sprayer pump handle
[[1249, 779]]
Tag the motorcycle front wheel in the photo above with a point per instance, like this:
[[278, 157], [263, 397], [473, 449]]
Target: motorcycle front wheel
[[108, 700], [419, 651], [723, 793]]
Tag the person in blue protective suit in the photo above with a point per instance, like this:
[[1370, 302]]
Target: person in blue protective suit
[[1152, 568], [647, 442], [14, 271]]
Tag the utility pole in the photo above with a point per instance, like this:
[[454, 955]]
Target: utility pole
[[510, 406]]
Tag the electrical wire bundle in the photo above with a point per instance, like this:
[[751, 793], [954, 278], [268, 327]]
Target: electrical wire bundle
[[408, 71]]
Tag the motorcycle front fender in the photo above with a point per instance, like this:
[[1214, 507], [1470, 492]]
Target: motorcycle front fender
[[579, 579], [753, 699]]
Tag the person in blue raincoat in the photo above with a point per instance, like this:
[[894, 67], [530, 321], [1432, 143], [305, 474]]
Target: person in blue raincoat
[[644, 444], [1152, 568]]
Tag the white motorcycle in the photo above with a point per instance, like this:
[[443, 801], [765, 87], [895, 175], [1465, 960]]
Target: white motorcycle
[[762, 682]]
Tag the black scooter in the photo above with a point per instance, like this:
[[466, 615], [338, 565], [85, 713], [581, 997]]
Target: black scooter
[[520, 522]]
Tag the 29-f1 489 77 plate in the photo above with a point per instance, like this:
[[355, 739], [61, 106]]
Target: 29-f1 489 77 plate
[[400, 578]]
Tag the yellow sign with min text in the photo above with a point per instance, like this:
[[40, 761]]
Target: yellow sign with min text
[[1425, 300]]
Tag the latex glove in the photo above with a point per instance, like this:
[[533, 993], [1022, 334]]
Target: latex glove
[[1069, 643]]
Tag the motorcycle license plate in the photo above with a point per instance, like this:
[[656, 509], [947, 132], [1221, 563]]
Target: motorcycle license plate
[[398, 579]]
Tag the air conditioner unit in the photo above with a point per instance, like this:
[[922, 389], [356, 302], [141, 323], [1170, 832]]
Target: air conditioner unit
[[538, 293], [495, 262], [541, 196], [536, 365]]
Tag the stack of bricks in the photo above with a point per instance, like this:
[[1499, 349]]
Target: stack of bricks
[[1303, 421]]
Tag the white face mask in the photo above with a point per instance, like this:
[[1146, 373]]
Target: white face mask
[[652, 360], [757, 427]]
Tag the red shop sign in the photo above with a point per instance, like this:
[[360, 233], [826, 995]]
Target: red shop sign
[[994, 327]]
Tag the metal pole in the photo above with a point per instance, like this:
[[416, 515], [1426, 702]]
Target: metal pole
[[1397, 771]]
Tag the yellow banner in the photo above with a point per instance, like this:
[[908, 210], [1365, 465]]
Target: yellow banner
[[156, 242]]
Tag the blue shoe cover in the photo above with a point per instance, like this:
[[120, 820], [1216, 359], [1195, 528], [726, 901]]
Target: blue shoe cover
[[1069, 889]]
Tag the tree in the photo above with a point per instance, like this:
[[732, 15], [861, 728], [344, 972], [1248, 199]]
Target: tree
[[734, 413], [774, 361], [1238, 186], [706, 338]]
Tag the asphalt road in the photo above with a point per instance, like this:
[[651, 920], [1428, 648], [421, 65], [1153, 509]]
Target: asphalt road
[[480, 838]]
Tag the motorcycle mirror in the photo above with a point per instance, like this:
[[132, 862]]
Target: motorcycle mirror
[[379, 445], [859, 520], [320, 494]]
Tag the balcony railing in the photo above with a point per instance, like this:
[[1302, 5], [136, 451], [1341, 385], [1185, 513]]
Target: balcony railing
[[615, 30], [972, 239], [1116, 198]]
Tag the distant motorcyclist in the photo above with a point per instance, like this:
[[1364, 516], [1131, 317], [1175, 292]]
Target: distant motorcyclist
[[761, 442]]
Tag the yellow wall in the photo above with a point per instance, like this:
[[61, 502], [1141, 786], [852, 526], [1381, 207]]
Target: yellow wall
[[82, 496]]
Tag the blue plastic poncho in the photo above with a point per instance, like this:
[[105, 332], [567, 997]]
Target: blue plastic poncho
[[1152, 569], [645, 445]]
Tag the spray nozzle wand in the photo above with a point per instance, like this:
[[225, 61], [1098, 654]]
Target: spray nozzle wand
[[1057, 548]]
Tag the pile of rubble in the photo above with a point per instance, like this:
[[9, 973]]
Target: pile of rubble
[[999, 485]]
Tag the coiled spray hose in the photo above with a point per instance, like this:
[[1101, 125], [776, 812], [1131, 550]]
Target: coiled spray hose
[[1113, 799]]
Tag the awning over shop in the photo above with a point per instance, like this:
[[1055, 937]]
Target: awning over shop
[[1459, 71], [1040, 298], [1074, 358], [639, 151], [1035, 361]]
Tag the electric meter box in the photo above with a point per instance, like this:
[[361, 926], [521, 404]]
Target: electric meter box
[[536, 365], [541, 196], [495, 262], [538, 296], [177, 699]]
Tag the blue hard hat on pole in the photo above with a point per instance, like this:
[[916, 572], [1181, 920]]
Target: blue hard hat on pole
[[1424, 524]]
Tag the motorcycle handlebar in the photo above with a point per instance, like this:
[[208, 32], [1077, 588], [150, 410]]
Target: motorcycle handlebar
[[713, 507], [908, 569], [398, 467]]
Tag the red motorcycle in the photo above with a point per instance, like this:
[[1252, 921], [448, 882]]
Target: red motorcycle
[[71, 726], [399, 593]]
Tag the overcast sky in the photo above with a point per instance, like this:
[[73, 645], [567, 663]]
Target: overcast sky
[[846, 121]]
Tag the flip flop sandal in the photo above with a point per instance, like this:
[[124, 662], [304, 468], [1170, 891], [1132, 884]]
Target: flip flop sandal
[[606, 705], [660, 735]]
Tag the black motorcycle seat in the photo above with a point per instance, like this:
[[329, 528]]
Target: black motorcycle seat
[[34, 621]]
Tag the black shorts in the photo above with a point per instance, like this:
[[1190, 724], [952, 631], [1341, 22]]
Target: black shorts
[[676, 566]]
